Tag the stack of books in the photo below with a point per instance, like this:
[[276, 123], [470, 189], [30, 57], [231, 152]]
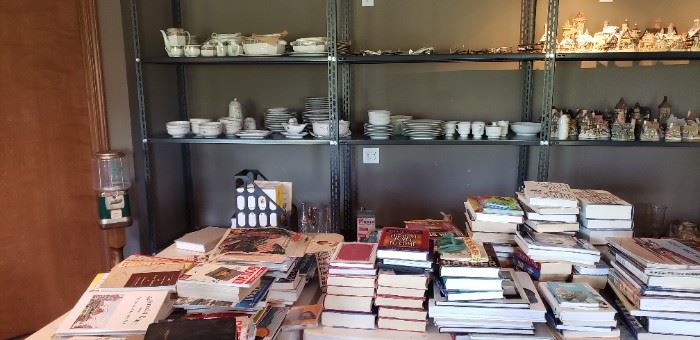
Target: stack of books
[[351, 286], [596, 276], [549, 257], [578, 311], [471, 274], [603, 215], [550, 207], [287, 290], [494, 219], [660, 280], [403, 281], [220, 282], [251, 304], [519, 312]]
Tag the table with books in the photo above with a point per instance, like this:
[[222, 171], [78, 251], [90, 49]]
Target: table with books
[[523, 268]]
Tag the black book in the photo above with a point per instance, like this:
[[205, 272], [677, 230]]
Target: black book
[[210, 329]]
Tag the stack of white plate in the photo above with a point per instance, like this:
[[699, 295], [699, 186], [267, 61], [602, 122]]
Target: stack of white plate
[[397, 123], [316, 109], [253, 134], [276, 116], [423, 129], [374, 131]]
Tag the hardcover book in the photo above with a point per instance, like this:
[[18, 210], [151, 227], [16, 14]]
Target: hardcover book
[[651, 253], [184, 329], [566, 243], [600, 204], [436, 228], [300, 317], [221, 274], [476, 212], [403, 239], [139, 272], [355, 254], [576, 295], [499, 205], [472, 252], [122, 313], [550, 194]]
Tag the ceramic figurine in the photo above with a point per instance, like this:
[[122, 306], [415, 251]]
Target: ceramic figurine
[[573, 128], [554, 127], [621, 130], [673, 129], [625, 40], [650, 131], [584, 42], [567, 45], [587, 125], [602, 128], [580, 23], [664, 111], [647, 43], [691, 130], [696, 45], [693, 32], [621, 107], [568, 30]]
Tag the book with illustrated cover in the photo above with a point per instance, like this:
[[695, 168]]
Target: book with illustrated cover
[[472, 252], [139, 272], [576, 295], [261, 244], [549, 194], [499, 205], [476, 212], [403, 239], [118, 313], [301, 317], [671, 254], [436, 228], [221, 274], [553, 242], [355, 254]]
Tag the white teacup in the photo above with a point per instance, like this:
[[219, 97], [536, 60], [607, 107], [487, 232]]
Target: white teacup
[[192, 51], [249, 123], [178, 129], [493, 131], [478, 129], [463, 128], [294, 128], [504, 127], [195, 122], [379, 117], [210, 129], [450, 128]]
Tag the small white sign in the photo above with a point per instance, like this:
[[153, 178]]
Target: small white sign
[[367, 3], [606, 0]]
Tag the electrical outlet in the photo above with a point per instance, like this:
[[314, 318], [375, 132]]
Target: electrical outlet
[[367, 3], [370, 155]]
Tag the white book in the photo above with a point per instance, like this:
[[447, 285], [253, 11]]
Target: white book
[[546, 210], [613, 333], [354, 291], [600, 237], [348, 320], [408, 263], [606, 224], [550, 194], [575, 291], [478, 284], [403, 313], [408, 292], [667, 315], [551, 218], [402, 325], [288, 295], [601, 204], [402, 255], [389, 279], [475, 272], [552, 226], [352, 271], [398, 301], [471, 296], [362, 304], [491, 227], [202, 240], [118, 313], [351, 281]]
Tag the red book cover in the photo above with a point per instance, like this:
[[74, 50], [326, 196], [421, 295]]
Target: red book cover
[[355, 253], [403, 239]]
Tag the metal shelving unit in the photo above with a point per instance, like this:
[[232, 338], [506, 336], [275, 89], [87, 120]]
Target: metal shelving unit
[[339, 81]]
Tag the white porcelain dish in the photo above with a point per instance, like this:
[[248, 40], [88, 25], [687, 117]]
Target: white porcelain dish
[[526, 128]]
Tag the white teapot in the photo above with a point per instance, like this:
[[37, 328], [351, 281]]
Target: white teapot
[[175, 39]]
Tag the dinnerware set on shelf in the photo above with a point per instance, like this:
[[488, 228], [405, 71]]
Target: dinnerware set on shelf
[[180, 43]]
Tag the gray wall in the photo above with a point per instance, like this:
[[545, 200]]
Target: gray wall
[[421, 181]]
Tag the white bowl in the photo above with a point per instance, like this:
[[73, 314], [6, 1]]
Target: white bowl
[[210, 129], [309, 48], [526, 128], [261, 48], [294, 129], [493, 131], [178, 131], [379, 117], [322, 128]]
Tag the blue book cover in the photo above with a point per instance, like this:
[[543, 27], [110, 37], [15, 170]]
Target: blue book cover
[[575, 295], [256, 295]]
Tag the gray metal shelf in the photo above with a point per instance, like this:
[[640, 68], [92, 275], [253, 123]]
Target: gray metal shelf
[[273, 139]]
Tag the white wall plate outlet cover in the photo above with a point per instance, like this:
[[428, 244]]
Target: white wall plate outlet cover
[[370, 155], [367, 3]]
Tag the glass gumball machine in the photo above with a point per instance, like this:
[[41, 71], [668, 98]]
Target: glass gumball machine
[[111, 183]]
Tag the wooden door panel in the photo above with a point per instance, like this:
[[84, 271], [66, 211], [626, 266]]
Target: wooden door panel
[[51, 245]]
